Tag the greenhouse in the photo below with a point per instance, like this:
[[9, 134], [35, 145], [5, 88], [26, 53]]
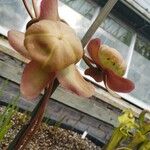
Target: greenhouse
[[74, 74]]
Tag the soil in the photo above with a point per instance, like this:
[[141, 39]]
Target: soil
[[47, 137]]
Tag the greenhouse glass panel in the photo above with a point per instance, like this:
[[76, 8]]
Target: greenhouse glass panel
[[139, 70], [142, 46], [118, 31], [84, 7], [12, 14], [74, 18]]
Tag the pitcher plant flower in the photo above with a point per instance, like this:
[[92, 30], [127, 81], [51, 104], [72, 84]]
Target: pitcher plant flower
[[53, 49], [107, 64]]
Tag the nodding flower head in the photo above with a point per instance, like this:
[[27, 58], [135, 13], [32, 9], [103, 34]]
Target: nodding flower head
[[53, 49], [110, 67]]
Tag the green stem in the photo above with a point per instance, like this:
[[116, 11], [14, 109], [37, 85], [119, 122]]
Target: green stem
[[115, 139], [145, 145], [28, 130], [137, 139]]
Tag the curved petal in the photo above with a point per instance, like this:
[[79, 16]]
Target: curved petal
[[113, 93], [93, 47], [117, 83], [49, 10], [16, 40], [34, 80], [71, 79], [95, 73]]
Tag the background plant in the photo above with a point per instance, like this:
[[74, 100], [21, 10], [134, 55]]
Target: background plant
[[131, 134], [7, 114]]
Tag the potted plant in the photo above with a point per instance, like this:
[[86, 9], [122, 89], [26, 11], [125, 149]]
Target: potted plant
[[52, 49]]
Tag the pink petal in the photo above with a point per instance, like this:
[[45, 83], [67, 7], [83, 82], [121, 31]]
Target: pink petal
[[117, 83], [95, 73], [16, 40], [34, 80], [93, 47], [71, 79], [49, 10]]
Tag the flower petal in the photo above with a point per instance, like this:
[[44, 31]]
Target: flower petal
[[49, 10], [34, 80], [117, 83], [71, 79], [113, 93], [95, 73], [93, 47], [16, 40]]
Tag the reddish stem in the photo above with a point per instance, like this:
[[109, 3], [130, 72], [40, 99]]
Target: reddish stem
[[35, 122]]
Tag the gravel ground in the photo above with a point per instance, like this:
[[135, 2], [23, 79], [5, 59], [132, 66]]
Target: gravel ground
[[48, 137]]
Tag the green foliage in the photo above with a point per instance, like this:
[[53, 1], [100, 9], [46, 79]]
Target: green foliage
[[59, 122], [4, 84], [7, 114], [132, 133]]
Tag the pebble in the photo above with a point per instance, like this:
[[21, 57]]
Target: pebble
[[48, 137]]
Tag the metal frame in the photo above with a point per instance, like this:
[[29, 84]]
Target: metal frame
[[101, 16]]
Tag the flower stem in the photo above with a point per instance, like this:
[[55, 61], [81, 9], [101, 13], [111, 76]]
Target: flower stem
[[137, 139], [145, 145], [28, 8], [115, 140], [28, 130], [87, 61]]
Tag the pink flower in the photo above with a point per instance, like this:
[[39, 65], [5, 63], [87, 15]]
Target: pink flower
[[109, 67], [53, 49]]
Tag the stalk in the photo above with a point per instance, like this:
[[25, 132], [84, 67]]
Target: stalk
[[115, 139], [28, 130], [137, 139], [145, 145]]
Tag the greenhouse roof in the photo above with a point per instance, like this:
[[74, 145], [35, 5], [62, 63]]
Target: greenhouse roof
[[141, 7], [135, 13]]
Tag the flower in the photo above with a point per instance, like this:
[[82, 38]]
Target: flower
[[53, 49], [110, 67]]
